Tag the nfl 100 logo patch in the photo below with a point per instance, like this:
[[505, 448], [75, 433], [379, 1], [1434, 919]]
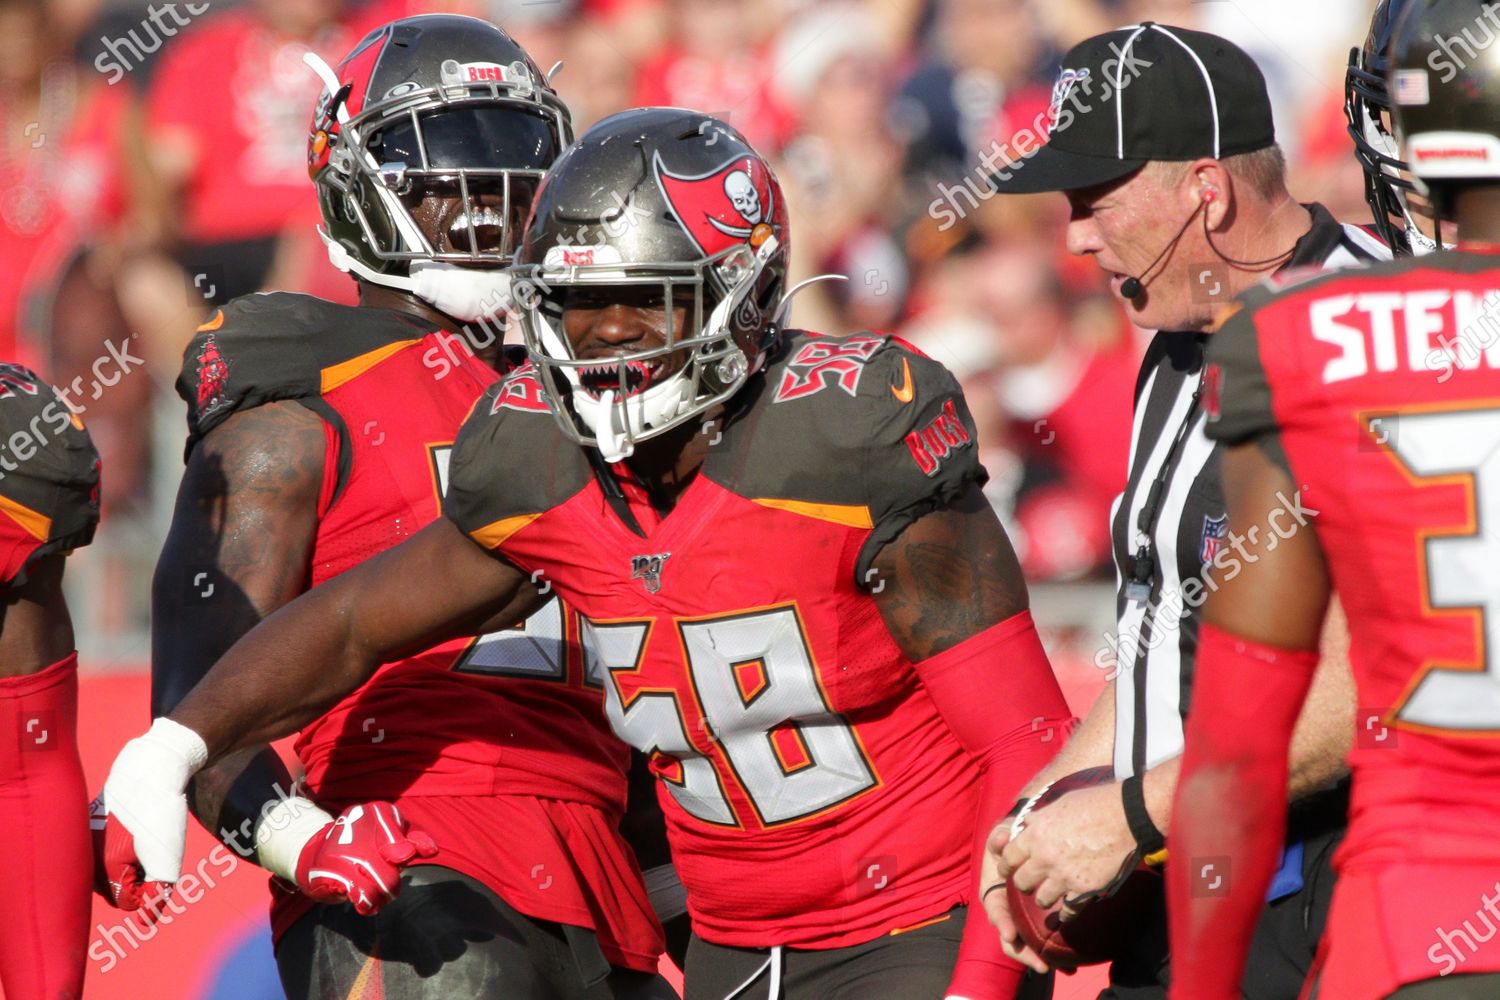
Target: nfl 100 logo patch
[[647, 569], [1214, 530]]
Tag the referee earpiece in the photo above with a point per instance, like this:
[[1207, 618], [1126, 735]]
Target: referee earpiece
[[1208, 194]]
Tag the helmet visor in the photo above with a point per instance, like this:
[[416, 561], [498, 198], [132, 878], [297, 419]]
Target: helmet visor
[[469, 138]]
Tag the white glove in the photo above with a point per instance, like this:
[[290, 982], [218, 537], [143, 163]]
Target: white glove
[[146, 792]]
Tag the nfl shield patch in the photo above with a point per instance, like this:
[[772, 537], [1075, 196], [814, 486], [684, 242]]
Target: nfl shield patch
[[1214, 530]]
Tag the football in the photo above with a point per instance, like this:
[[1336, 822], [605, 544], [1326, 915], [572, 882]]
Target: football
[[1096, 933]]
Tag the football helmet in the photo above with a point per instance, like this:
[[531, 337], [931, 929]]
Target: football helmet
[[1387, 177], [1444, 82], [671, 204], [432, 106]]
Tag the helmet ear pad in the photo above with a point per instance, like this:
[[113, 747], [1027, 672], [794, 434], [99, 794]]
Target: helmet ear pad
[[754, 330], [361, 195]]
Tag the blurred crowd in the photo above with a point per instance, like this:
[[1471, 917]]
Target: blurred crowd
[[154, 165]]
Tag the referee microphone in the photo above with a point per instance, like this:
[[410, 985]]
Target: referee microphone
[[1134, 288]]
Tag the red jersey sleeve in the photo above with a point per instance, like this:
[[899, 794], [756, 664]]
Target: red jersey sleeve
[[49, 475]]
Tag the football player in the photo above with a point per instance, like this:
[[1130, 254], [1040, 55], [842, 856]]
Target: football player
[[1372, 394], [49, 505], [1402, 217], [320, 435], [794, 595]]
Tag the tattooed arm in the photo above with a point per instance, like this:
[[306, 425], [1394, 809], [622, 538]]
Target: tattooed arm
[[955, 602], [240, 546], [948, 577]]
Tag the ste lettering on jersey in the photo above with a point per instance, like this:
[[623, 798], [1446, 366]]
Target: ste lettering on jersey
[[1378, 391], [49, 475], [507, 714], [813, 796]]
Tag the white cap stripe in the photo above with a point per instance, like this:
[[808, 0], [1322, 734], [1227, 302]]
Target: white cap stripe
[[1213, 98], [1120, 92]]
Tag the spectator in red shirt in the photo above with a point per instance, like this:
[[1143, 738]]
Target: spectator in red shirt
[[842, 170], [227, 126], [717, 62], [59, 184], [62, 212]]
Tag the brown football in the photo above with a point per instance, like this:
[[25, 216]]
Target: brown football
[[1101, 929]]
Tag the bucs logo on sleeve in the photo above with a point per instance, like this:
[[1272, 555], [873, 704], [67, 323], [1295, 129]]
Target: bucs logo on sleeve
[[521, 391], [733, 203], [213, 376], [15, 379]]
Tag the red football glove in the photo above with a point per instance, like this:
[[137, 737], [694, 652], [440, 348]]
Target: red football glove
[[118, 875], [359, 857]]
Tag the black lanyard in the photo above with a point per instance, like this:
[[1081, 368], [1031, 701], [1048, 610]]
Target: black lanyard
[[1143, 562]]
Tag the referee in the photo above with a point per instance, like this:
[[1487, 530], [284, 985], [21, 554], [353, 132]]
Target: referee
[[1164, 145]]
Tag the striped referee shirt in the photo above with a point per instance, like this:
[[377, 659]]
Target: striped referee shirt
[[1156, 641]]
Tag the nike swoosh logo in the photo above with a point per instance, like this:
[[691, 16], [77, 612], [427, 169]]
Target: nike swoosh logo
[[905, 393]]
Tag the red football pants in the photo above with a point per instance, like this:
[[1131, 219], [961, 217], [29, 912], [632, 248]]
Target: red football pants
[[44, 836]]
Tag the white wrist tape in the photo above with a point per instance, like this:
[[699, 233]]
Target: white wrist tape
[[284, 830], [181, 740], [146, 792]]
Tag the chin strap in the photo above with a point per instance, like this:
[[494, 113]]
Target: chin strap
[[614, 446], [467, 294], [340, 257]]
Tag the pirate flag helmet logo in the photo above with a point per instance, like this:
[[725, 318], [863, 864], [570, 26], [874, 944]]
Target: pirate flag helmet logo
[[733, 203]]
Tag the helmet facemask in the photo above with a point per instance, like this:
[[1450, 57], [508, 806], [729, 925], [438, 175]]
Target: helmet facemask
[[466, 156], [1388, 179], [613, 403]]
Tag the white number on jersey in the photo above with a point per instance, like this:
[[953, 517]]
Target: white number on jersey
[[1462, 571], [535, 649], [755, 681]]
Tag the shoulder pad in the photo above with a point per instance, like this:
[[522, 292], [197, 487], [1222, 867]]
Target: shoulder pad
[[863, 424], [510, 461], [274, 346], [49, 473]]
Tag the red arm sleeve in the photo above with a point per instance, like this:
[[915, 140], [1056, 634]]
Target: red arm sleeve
[[1230, 809], [997, 693]]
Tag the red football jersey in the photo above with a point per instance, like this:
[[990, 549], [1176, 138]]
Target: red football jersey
[[49, 475], [1379, 390], [813, 796], [508, 714]]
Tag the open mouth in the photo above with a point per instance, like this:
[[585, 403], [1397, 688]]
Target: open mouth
[[605, 376], [489, 230]]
